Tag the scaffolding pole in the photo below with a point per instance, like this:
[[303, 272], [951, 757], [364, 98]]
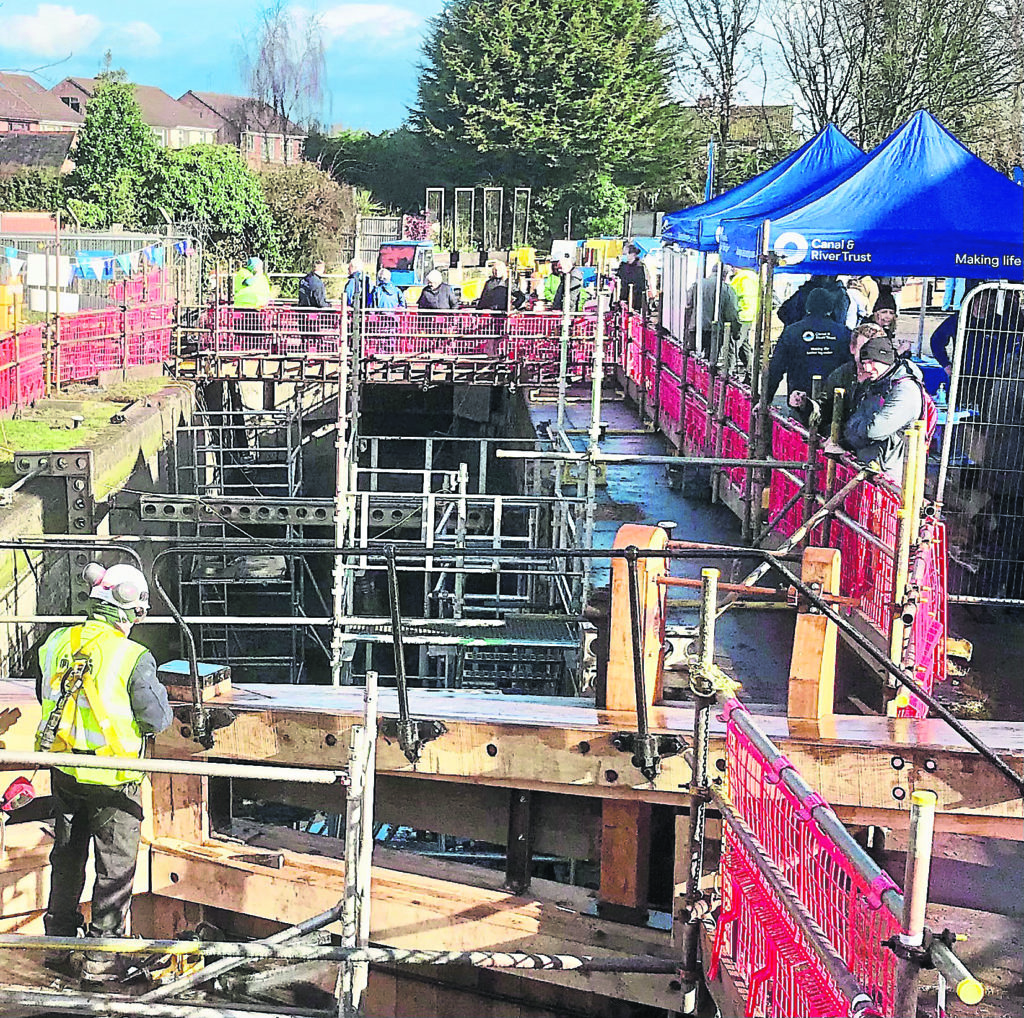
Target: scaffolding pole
[[354, 975]]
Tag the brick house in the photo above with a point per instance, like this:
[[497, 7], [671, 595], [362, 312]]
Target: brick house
[[251, 126], [175, 124], [26, 106]]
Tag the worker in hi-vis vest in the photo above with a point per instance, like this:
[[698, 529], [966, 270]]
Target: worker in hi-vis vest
[[251, 286], [100, 696]]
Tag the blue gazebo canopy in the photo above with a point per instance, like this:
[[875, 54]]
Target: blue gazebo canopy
[[921, 205], [826, 158]]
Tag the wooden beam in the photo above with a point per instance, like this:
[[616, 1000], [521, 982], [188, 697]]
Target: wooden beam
[[519, 853], [620, 692], [625, 860], [415, 911], [812, 670]]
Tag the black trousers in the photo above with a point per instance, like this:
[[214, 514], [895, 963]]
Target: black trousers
[[111, 820]]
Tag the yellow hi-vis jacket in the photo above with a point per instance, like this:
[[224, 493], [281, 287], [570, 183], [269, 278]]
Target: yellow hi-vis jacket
[[98, 718], [252, 289], [745, 284]]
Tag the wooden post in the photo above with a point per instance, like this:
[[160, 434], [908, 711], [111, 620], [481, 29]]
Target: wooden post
[[620, 693], [519, 853], [625, 860], [812, 671]]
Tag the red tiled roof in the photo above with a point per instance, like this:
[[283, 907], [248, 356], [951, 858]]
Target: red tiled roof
[[247, 114], [158, 108], [23, 98]]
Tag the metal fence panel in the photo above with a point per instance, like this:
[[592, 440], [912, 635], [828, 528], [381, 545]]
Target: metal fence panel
[[981, 470]]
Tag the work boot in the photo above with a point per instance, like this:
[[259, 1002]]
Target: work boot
[[103, 967], [64, 963]]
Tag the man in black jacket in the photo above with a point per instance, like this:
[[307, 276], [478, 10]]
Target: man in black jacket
[[795, 307], [632, 278], [494, 296], [437, 295], [816, 345], [311, 288]]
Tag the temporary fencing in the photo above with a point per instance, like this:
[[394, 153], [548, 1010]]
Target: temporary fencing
[[981, 469], [81, 346], [717, 420], [517, 339], [841, 890]]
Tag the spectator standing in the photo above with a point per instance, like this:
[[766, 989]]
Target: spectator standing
[[437, 295], [844, 377], [858, 302], [311, 288], [632, 277], [793, 309], [494, 296], [953, 293], [728, 312], [576, 292], [888, 400], [816, 345], [885, 314], [357, 283], [385, 294]]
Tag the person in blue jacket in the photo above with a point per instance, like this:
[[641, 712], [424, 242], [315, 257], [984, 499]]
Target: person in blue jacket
[[815, 345], [385, 294], [357, 283], [795, 307]]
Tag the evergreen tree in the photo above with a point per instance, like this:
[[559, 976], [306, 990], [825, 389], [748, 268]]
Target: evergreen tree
[[555, 94], [114, 159]]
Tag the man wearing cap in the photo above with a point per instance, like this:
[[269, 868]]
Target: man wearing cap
[[816, 345], [888, 400], [101, 697]]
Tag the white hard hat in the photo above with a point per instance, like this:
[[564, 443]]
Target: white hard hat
[[121, 585]]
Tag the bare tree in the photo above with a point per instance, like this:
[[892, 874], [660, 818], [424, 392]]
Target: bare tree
[[868, 65], [713, 51], [284, 66]]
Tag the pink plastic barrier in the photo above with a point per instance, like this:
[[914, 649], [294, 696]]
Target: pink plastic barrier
[[846, 906], [926, 651]]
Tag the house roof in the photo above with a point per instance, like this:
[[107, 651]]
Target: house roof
[[35, 148], [23, 98], [158, 108], [247, 114]]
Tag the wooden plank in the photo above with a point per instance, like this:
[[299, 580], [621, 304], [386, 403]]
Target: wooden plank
[[812, 670], [381, 998], [412, 911], [625, 860]]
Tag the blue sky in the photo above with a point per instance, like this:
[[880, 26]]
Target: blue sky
[[372, 47]]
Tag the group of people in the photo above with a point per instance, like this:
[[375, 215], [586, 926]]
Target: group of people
[[883, 390]]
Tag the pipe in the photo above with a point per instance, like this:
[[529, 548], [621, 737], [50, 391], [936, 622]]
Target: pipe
[[563, 351], [209, 768], [641, 458], [915, 898], [103, 1005], [326, 952]]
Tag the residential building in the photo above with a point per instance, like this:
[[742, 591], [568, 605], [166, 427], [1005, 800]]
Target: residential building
[[26, 106], [252, 126], [175, 124], [38, 149]]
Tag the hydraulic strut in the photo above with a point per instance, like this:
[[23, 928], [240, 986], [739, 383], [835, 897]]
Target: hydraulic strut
[[412, 735]]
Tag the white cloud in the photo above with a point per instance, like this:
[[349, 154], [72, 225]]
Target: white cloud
[[355, 22], [53, 31], [137, 37]]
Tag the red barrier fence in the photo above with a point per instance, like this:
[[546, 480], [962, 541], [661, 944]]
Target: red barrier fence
[[843, 898], [86, 344], [866, 531], [283, 330]]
